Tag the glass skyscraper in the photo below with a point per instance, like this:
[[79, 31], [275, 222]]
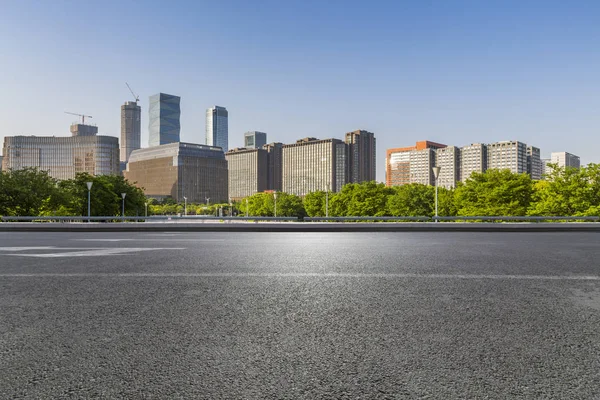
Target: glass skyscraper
[[255, 139], [217, 130], [164, 124]]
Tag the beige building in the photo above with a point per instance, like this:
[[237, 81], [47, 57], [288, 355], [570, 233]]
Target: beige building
[[448, 159], [564, 159], [248, 172], [473, 158], [421, 166], [177, 170], [64, 157], [534, 163], [311, 164], [511, 155]]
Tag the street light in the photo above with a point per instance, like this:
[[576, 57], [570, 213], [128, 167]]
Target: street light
[[89, 186], [123, 196], [184, 205], [436, 175], [275, 196], [230, 207], [327, 202], [146, 204], [246, 207]]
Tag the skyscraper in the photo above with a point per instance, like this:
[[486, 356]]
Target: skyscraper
[[564, 159], [275, 165], [255, 139], [361, 156], [217, 130], [448, 159], [131, 129], [247, 170], [473, 158], [511, 155], [164, 125]]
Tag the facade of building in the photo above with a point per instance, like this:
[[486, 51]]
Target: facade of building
[[473, 158], [534, 163], [421, 166], [83, 130], [179, 170], [511, 155], [398, 163], [545, 169], [63, 157], [448, 159], [361, 156], [564, 159], [247, 172], [217, 127], [274, 166], [311, 165], [131, 129], [255, 139], [164, 125]]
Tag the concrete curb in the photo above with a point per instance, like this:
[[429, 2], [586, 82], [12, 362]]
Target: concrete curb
[[300, 227]]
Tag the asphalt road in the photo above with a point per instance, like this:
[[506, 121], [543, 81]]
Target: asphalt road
[[437, 315]]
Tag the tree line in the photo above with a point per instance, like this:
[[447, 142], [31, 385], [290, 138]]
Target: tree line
[[564, 192]]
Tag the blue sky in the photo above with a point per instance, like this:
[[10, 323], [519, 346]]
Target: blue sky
[[454, 72]]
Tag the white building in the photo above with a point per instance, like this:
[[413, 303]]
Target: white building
[[511, 155], [473, 158], [564, 159], [448, 159]]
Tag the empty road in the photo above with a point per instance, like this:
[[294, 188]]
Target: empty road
[[241, 315]]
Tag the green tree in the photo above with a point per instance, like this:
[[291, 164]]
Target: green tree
[[263, 205], [360, 199], [494, 193], [314, 204], [26, 191], [412, 200]]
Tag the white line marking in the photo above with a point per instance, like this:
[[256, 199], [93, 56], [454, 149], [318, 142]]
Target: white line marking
[[104, 240], [310, 275], [27, 248], [97, 252]]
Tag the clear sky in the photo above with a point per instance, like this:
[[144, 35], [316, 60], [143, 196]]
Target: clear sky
[[454, 72]]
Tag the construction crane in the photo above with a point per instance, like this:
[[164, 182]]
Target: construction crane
[[137, 98], [83, 117]]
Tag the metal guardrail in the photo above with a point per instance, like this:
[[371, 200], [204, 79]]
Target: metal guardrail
[[143, 219], [348, 219], [513, 219]]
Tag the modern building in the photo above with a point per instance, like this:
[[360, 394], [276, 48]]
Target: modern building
[[564, 159], [545, 169], [180, 170], [83, 130], [398, 163], [1, 163], [511, 155], [473, 158], [275, 166], [534, 163], [217, 129], [421, 166], [361, 156], [311, 165], [63, 157], [131, 129], [448, 159], [255, 139], [248, 172], [164, 124]]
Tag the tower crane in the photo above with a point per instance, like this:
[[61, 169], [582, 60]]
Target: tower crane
[[83, 117], [137, 98]]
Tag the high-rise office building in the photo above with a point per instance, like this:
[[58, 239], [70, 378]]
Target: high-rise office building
[[361, 156], [534, 163], [564, 159], [63, 157], [511, 155], [255, 139], [421, 166], [179, 170], [217, 129], [164, 124], [275, 166], [448, 159], [247, 172], [473, 158], [131, 129], [398, 163], [311, 164]]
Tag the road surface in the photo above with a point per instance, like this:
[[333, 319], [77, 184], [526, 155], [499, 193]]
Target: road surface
[[234, 315]]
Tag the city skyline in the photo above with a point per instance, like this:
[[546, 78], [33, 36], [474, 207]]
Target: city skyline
[[452, 73]]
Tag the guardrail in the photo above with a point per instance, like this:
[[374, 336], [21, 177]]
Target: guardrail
[[143, 219], [349, 219], [516, 219]]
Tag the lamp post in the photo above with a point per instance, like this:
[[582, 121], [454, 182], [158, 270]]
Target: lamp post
[[275, 196], [230, 208], [123, 209], [146, 205], [89, 186], [436, 175], [184, 205], [246, 207]]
